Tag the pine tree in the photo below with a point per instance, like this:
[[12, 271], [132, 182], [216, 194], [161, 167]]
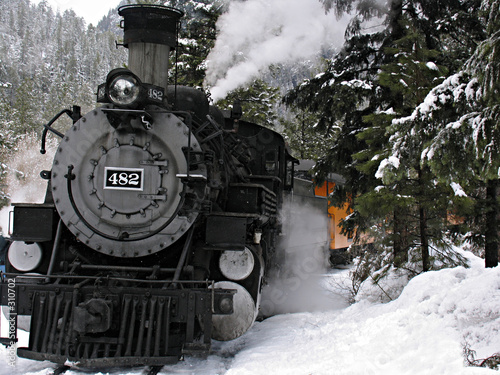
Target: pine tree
[[342, 96], [258, 101], [198, 36], [352, 90], [465, 110], [8, 138], [347, 91], [410, 185], [301, 135], [26, 108]]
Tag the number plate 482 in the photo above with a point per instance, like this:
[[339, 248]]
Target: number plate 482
[[123, 178]]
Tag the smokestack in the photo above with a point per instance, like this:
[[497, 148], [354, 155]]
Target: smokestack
[[150, 33]]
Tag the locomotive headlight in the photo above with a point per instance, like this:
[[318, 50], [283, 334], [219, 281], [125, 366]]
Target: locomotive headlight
[[24, 256], [124, 90]]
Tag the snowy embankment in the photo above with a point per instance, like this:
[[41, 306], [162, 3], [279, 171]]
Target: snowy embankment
[[424, 331]]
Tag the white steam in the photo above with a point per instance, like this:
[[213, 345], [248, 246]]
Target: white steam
[[298, 285], [255, 34]]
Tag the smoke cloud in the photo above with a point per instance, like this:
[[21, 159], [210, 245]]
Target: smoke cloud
[[255, 34]]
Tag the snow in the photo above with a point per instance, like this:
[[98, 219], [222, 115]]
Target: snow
[[391, 161], [439, 94], [389, 111], [431, 66], [423, 331], [357, 83], [459, 192]]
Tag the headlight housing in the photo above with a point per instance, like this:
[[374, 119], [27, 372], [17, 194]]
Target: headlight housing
[[124, 89]]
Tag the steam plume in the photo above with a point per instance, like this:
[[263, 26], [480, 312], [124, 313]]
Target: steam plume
[[297, 284], [255, 34]]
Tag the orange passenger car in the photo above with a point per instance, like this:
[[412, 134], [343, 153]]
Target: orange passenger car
[[313, 194]]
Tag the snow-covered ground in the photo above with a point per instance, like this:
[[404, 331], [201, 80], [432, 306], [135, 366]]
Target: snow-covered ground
[[424, 331]]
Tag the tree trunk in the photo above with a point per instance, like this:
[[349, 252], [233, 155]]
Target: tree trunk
[[424, 239], [491, 227], [424, 236], [400, 243], [396, 14]]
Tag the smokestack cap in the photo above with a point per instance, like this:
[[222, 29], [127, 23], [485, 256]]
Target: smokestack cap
[[149, 24]]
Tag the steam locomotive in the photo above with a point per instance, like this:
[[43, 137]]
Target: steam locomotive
[[160, 221]]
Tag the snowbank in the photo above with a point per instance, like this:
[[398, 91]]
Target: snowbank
[[424, 331]]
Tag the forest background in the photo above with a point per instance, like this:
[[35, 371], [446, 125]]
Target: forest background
[[406, 109]]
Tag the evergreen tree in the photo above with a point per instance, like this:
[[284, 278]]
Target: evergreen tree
[[352, 89], [258, 102], [299, 129], [410, 186], [198, 34], [26, 108], [341, 96], [465, 111], [8, 138]]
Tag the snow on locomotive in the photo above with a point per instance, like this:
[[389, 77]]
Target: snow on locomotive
[[160, 221]]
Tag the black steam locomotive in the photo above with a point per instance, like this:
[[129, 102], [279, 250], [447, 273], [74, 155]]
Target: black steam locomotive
[[161, 219]]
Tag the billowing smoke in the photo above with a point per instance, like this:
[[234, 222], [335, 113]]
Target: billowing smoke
[[297, 285], [255, 34]]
